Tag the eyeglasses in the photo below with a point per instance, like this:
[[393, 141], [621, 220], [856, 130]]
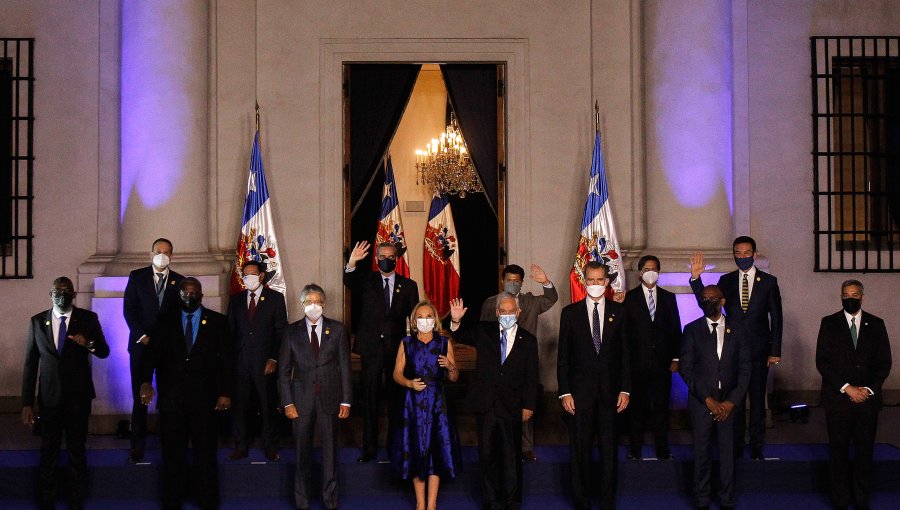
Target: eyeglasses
[[310, 302]]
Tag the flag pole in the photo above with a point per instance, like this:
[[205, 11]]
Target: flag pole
[[596, 116], [257, 119]]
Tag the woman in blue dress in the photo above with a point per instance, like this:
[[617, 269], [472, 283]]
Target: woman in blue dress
[[426, 446]]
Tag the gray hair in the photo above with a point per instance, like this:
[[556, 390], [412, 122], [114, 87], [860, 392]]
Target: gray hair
[[853, 283], [311, 288], [506, 295]]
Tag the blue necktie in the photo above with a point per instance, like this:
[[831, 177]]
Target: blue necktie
[[652, 305], [596, 327], [63, 334], [189, 332], [502, 346], [160, 287]]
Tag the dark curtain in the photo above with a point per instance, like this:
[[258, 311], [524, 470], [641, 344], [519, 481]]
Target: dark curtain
[[476, 231], [5, 156], [378, 95], [473, 93]]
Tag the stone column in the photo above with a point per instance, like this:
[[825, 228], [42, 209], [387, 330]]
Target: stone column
[[688, 80]]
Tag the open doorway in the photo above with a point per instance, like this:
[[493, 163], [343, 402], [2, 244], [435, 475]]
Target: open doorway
[[393, 109]]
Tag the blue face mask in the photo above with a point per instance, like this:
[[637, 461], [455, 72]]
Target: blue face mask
[[507, 321], [744, 263]]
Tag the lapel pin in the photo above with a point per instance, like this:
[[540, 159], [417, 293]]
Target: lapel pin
[[262, 298], [47, 323], [728, 330], [865, 323], [397, 290], [610, 319], [757, 278], [327, 331], [172, 282], [203, 321]]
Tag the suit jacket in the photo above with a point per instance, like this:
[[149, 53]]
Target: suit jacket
[[532, 306], [762, 322], [839, 363], [190, 380], [259, 340], [702, 369], [65, 380], [374, 325], [508, 388], [653, 344], [581, 371], [301, 375], [141, 305]]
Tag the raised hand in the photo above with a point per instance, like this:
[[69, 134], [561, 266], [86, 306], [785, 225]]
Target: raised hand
[[457, 310], [360, 250], [538, 274], [696, 264]]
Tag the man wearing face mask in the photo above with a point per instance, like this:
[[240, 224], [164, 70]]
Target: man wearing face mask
[[752, 303], [61, 341], [150, 291], [502, 394], [192, 355], [257, 317], [531, 307], [853, 354], [593, 372], [653, 331], [315, 385], [715, 365], [383, 301]]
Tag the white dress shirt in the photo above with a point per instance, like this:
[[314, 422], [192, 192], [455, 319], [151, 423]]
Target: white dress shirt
[[858, 318], [165, 276], [589, 302]]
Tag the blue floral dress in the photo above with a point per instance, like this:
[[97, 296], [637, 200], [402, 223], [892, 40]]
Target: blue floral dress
[[426, 443]]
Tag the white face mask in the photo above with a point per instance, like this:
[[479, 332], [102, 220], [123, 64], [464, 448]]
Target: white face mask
[[160, 261], [251, 281], [650, 277], [313, 311], [595, 291], [424, 324]]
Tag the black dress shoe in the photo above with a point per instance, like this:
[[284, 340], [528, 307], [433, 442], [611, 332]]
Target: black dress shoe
[[272, 455], [366, 457], [757, 454], [663, 453], [136, 455], [238, 454]]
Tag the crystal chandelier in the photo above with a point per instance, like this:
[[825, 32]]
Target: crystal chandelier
[[445, 167]]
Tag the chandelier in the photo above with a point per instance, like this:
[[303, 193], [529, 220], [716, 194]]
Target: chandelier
[[445, 167]]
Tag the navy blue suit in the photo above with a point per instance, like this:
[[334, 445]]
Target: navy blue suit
[[704, 372], [141, 308], [762, 325], [867, 365]]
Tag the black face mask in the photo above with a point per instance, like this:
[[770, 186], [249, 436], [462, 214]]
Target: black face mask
[[387, 265], [744, 263], [851, 305], [190, 304], [62, 301], [710, 308]]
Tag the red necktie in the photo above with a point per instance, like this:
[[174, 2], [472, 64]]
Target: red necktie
[[251, 310]]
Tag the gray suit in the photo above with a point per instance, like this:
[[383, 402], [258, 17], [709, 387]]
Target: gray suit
[[532, 306], [316, 386]]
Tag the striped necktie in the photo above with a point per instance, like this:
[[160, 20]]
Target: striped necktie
[[745, 293], [651, 303]]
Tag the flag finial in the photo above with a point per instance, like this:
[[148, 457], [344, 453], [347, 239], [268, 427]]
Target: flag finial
[[257, 116], [597, 116]]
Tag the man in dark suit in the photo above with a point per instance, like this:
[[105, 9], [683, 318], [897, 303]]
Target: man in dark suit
[[753, 304], [150, 291], [257, 317], [531, 307], [316, 390], [192, 355], [653, 332], [853, 354], [715, 365], [387, 300], [502, 394], [57, 361], [593, 372]]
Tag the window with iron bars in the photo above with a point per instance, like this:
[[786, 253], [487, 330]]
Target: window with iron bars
[[16, 157], [856, 153]]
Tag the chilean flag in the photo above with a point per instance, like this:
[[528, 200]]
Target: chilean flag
[[390, 230], [598, 240], [257, 240], [441, 256]]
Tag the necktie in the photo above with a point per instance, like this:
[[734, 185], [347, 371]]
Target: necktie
[[160, 287], [189, 332], [502, 346], [745, 293], [314, 341], [596, 327], [715, 336], [387, 296], [251, 309], [63, 334], [652, 305], [854, 334]]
